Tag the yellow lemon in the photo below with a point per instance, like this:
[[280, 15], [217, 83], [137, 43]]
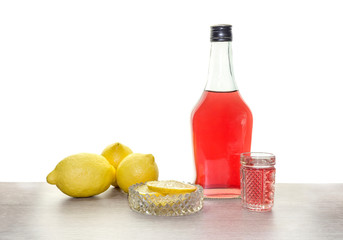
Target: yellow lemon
[[114, 154], [144, 190], [136, 168], [158, 198], [82, 175], [170, 187]]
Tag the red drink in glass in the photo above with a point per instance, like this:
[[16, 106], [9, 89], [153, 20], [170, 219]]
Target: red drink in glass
[[258, 181], [259, 191]]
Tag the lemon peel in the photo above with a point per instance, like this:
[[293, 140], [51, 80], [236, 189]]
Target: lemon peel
[[82, 175], [115, 153], [136, 168]]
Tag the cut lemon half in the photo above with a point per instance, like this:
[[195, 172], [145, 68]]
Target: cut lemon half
[[144, 190], [170, 187]]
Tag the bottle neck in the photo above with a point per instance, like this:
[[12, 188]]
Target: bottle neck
[[220, 74]]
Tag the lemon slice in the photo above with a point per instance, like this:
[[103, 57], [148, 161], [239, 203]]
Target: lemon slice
[[144, 190], [170, 187]]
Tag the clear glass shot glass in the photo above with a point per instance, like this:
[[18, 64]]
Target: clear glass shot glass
[[257, 181]]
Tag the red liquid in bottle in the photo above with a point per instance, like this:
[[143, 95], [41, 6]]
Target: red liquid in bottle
[[222, 126]]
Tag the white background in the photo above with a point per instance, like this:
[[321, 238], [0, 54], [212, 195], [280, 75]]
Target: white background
[[76, 76]]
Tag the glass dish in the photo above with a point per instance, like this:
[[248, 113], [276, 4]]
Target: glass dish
[[166, 205]]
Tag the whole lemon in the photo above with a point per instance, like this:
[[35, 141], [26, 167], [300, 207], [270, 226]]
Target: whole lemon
[[82, 175], [115, 153], [136, 168]]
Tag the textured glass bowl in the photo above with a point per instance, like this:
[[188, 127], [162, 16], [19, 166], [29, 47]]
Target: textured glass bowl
[[168, 205]]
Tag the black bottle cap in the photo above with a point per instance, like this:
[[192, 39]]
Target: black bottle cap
[[221, 33]]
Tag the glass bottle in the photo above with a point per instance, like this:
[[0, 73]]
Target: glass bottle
[[221, 123]]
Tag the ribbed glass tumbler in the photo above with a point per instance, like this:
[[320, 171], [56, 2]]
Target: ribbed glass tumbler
[[257, 181]]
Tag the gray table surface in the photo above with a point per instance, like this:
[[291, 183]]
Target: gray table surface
[[41, 211]]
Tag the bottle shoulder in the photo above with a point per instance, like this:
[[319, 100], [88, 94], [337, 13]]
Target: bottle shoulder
[[221, 98], [226, 102]]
